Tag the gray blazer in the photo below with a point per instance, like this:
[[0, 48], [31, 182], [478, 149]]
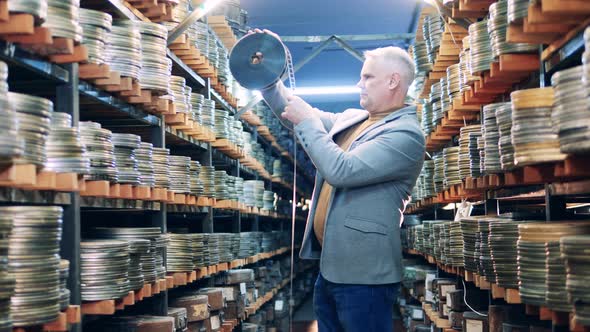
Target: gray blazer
[[372, 181]]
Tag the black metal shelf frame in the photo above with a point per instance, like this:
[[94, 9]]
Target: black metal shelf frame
[[68, 94]]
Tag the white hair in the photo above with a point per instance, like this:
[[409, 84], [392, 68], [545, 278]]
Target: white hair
[[399, 58]]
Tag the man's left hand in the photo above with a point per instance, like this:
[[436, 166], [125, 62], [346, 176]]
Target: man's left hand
[[297, 110]]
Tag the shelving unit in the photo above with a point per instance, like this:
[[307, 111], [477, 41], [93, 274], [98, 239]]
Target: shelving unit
[[510, 71], [98, 98], [549, 191]]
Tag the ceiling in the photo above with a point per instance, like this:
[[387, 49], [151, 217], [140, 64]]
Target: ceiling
[[334, 66]]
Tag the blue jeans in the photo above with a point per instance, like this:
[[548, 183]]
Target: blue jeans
[[354, 308]]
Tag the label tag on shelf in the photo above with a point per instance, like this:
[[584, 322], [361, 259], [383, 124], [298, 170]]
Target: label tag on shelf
[[279, 305], [243, 288]]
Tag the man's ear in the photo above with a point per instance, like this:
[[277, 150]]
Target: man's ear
[[394, 81]]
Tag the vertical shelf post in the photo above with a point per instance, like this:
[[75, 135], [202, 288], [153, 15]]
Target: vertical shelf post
[[158, 219], [67, 101], [208, 161]]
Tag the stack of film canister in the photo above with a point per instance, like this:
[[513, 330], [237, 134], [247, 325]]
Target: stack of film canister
[[453, 82], [12, 145], [127, 170], [101, 151], [231, 188], [436, 101], [7, 281], [277, 169], [37, 8], [533, 136], [221, 188], [445, 101], [180, 180], [225, 247], [207, 177], [465, 75], [155, 65], [480, 54], [268, 198], [199, 254], [504, 122], [213, 243], [65, 151], [482, 152], [428, 171], [124, 50], [433, 30], [236, 132], [200, 35], [420, 55], [104, 269], [208, 114], [179, 257], [485, 260], [181, 93], [451, 167], [64, 292], [222, 126], [468, 153], [213, 54], [63, 19], [581, 131], [235, 238], [257, 192], [455, 244], [517, 10], [152, 262], [503, 240], [427, 117], [34, 123], [223, 68], [245, 245], [138, 249], [96, 27], [240, 189], [145, 165], [570, 112], [469, 228], [34, 262], [430, 235], [491, 138], [418, 189], [197, 188], [535, 249], [497, 28], [574, 251], [437, 243], [197, 107], [439, 173], [161, 162], [180, 11]]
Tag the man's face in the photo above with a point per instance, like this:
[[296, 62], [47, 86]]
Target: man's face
[[375, 84]]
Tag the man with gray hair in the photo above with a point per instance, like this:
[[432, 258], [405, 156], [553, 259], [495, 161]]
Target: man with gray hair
[[367, 163]]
